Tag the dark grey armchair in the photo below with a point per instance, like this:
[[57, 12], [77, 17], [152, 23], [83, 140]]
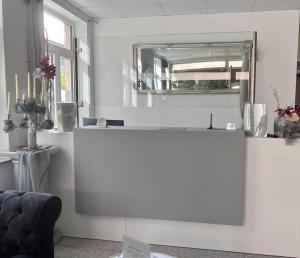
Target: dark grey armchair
[[26, 224]]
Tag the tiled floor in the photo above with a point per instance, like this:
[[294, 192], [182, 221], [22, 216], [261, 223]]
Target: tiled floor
[[86, 248]]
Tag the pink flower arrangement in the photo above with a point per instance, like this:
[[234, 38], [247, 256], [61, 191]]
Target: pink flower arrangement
[[289, 113], [48, 69]]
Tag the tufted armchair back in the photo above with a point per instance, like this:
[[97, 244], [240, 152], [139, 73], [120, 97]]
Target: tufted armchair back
[[26, 224]]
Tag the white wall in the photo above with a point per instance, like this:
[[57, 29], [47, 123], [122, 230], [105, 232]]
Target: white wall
[[15, 16], [3, 136], [6, 174], [276, 63], [6, 171]]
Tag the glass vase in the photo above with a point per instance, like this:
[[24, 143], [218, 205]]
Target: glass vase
[[255, 120], [66, 116], [279, 123]]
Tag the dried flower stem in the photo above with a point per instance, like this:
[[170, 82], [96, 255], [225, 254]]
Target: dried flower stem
[[275, 94]]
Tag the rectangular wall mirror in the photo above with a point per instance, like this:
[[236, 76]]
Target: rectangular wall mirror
[[212, 68]]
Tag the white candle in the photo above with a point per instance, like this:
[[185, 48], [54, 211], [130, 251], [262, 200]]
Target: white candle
[[8, 103], [34, 88], [17, 87], [29, 86], [23, 96]]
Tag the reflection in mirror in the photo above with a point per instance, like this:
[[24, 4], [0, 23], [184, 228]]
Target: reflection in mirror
[[193, 68]]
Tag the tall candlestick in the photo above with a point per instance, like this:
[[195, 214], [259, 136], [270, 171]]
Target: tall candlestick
[[34, 88], [46, 103], [8, 103], [17, 87], [43, 93], [29, 86]]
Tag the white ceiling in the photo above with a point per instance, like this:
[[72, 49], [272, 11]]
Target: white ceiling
[[143, 8]]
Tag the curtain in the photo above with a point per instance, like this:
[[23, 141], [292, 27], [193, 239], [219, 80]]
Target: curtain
[[35, 33]]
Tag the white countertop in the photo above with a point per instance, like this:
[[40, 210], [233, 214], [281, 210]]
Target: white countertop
[[150, 128]]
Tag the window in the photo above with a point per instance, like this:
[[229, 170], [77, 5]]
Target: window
[[59, 33]]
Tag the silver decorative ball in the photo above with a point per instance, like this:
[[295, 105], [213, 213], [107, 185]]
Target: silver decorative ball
[[8, 125]]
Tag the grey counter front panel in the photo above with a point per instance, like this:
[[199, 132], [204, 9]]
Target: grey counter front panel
[[161, 174]]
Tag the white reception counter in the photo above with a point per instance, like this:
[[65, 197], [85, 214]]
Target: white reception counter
[[271, 210]]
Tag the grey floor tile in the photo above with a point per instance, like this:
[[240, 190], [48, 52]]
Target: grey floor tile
[[87, 248], [78, 252]]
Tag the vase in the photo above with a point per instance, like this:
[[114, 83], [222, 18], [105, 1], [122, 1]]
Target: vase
[[255, 120], [66, 116], [279, 123], [292, 130]]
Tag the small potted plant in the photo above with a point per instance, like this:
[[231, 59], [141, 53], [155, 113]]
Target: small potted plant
[[287, 121]]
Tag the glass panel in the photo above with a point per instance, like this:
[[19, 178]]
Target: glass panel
[[66, 79], [58, 32]]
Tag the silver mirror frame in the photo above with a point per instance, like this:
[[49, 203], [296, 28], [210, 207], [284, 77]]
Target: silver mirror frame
[[249, 44]]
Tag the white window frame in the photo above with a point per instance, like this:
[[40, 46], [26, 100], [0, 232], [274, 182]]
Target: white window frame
[[89, 20], [59, 52]]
